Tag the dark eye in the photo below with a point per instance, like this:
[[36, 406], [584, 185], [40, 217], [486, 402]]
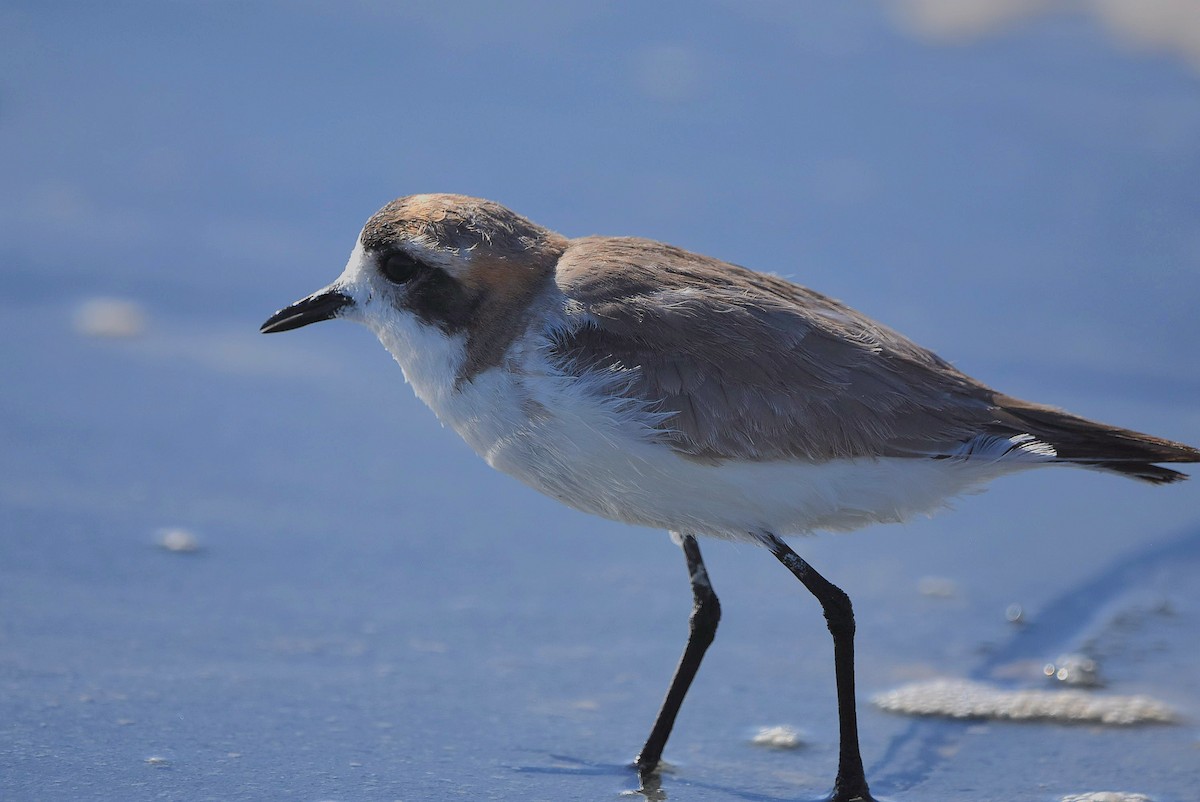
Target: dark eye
[[398, 267]]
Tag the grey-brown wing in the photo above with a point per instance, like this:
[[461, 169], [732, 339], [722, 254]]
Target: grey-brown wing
[[753, 367]]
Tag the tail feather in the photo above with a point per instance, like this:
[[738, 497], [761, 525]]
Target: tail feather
[[1147, 472], [1097, 445]]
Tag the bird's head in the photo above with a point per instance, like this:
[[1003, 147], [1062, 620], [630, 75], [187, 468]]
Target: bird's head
[[466, 268]]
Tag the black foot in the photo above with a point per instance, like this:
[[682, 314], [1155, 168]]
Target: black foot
[[650, 779], [853, 797]]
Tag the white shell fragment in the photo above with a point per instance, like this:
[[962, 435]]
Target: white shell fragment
[[178, 540], [110, 317], [937, 587], [964, 699], [1106, 796], [780, 737]]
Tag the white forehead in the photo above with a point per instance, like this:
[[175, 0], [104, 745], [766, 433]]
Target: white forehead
[[358, 264]]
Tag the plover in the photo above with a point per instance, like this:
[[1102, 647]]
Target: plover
[[650, 385]]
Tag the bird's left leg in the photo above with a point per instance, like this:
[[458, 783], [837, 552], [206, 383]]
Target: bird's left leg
[[851, 782], [702, 628]]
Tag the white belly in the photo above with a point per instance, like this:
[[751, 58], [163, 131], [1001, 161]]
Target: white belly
[[629, 480], [601, 457]]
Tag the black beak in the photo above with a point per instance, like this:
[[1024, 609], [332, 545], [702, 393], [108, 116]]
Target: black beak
[[313, 309]]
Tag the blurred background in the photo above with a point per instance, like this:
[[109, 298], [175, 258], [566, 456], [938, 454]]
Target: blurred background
[[243, 567]]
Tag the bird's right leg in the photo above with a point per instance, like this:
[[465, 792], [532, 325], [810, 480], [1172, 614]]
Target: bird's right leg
[[702, 628]]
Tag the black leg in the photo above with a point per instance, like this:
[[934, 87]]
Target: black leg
[[851, 782], [702, 627]]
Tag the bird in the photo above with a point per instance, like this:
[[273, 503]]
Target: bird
[[651, 385]]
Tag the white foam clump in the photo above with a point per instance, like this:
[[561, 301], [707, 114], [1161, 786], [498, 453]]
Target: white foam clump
[[110, 317], [780, 737], [964, 699], [1106, 796], [1172, 26]]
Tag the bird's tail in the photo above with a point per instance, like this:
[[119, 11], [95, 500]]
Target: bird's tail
[[1089, 444]]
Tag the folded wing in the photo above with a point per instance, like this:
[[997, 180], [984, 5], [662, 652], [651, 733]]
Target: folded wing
[[752, 367]]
